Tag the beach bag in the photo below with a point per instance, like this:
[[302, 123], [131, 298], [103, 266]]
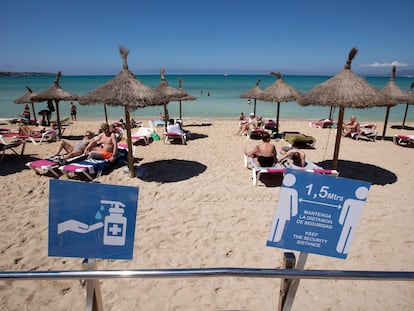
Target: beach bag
[[155, 136]]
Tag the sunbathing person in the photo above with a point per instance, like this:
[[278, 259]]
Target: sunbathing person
[[24, 130], [251, 123], [295, 156], [264, 154], [351, 127], [75, 150], [174, 127], [102, 146]]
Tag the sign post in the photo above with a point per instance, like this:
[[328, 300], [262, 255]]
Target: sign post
[[316, 214]]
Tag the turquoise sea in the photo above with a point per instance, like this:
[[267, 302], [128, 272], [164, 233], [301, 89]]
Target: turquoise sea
[[218, 96]]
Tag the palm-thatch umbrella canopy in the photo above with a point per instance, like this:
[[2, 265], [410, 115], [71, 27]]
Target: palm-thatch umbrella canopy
[[168, 92], [279, 92], [396, 96], [56, 93], [185, 98], [406, 107], [124, 90], [255, 92], [345, 89], [27, 99]]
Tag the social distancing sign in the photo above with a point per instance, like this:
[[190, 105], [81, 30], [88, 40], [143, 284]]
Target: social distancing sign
[[317, 213]]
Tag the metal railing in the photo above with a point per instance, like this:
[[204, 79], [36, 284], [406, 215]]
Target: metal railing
[[211, 272]]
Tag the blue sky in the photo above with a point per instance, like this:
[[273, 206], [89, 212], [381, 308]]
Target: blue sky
[[190, 36]]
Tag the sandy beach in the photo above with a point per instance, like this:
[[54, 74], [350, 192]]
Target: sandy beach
[[199, 209]]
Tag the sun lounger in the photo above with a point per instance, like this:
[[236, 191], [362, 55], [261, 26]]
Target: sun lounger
[[154, 123], [4, 146], [51, 165], [367, 131], [143, 134], [281, 169], [92, 168], [323, 123], [36, 139], [87, 168], [256, 133], [170, 137], [43, 167], [298, 139], [403, 140]]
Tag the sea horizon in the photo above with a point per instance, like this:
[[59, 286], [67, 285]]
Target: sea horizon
[[217, 96]]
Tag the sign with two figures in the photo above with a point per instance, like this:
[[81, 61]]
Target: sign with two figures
[[317, 213]]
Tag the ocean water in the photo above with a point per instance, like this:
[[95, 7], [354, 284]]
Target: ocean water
[[218, 96]]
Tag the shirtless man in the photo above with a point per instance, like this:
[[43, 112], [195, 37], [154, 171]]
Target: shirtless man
[[264, 154], [103, 146], [351, 127], [295, 156]]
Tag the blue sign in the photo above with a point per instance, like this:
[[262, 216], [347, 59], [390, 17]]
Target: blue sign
[[91, 220], [317, 213]]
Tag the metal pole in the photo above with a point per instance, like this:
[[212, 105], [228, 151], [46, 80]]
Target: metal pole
[[211, 272]]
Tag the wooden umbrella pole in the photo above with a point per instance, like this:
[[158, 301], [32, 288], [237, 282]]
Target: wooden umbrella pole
[[106, 114], [180, 111], [386, 121], [34, 113], [277, 119], [58, 119], [338, 138], [254, 109], [405, 115], [129, 142], [165, 116]]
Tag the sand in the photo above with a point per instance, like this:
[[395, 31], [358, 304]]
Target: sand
[[199, 209]]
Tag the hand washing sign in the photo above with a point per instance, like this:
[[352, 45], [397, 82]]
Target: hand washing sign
[[91, 220], [317, 213]]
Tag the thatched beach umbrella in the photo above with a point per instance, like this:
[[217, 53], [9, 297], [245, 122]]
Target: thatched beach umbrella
[[279, 92], [406, 107], [169, 93], [56, 93], [185, 98], [345, 89], [124, 90], [27, 99], [396, 96], [255, 92]]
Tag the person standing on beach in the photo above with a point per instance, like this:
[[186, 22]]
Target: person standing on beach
[[73, 111], [51, 108]]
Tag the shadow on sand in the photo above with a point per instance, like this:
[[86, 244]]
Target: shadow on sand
[[362, 171], [168, 171]]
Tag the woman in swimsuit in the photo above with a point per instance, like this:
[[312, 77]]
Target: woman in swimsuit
[[75, 150], [264, 154]]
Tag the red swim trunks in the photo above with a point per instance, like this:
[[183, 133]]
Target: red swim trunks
[[105, 154]]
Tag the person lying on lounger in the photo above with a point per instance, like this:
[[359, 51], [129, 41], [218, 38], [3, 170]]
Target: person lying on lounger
[[75, 150], [103, 146], [294, 156], [264, 154]]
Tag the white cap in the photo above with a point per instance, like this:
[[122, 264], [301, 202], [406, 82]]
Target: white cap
[[252, 114]]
